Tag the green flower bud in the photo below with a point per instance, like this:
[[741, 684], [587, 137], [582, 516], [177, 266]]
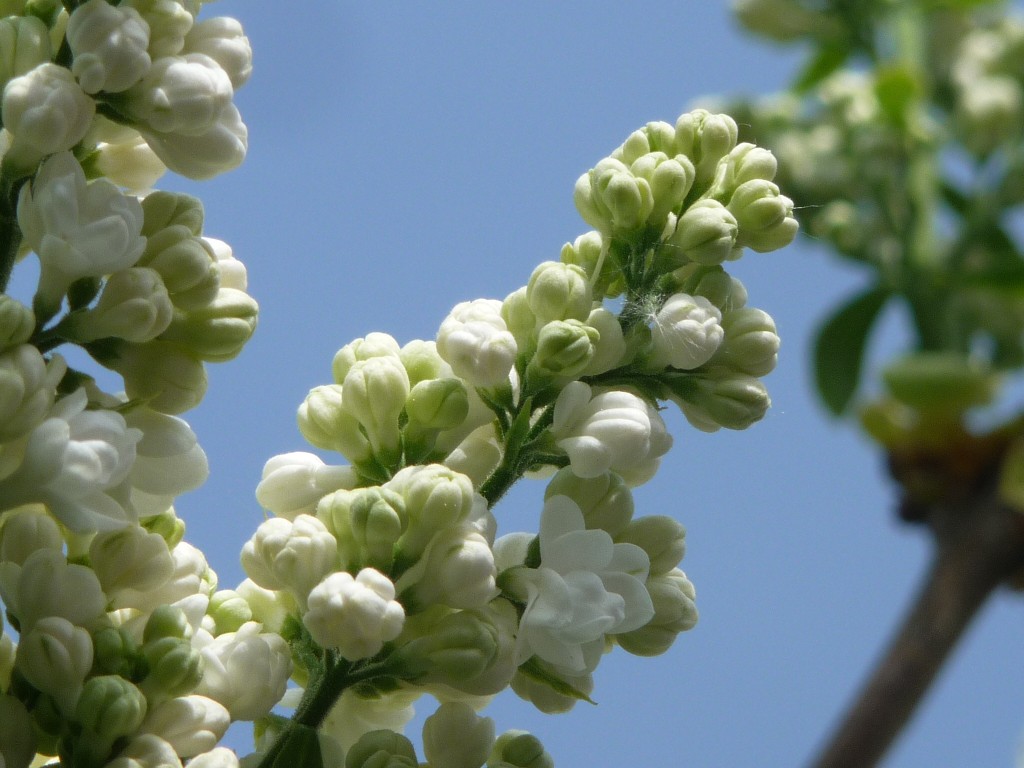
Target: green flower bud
[[25, 529], [8, 652], [130, 558], [705, 139], [16, 320], [436, 497], [455, 737], [422, 362], [706, 233], [326, 423], [438, 404], [661, 537], [375, 392], [17, 734], [520, 319], [558, 291], [764, 215], [376, 519], [564, 349], [940, 382], [169, 377], [611, 199], [229, 610], [447, 648], [653, 137], [164, 209], [713, 283], [217, 331], [167, 525], [374, 345], [674, 611], [134, 306], [751, 343], [110, 707], [55, 656], [381, 749], [24, 44], [175, 668], [670, 179], [605, 500], [586, 251], [166, 621], [744, 163], [519, 749], [115, 652], [720, 398], [186, 263]]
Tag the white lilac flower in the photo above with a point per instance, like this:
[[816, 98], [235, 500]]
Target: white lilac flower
[[221, 757], [222, 39], [232, 270], [353, 716], [456, 737], [294, 483], [191, 724], [48, 585], [130, 558], [182, 95], [169, 21], [76, 462], [191, 577], [586, 587], [24, 530], [246, 671], [611, 430], [146, 751], [55, 656], [109, 45], [686, 332], [355, 615], [219, 148], [477, 344], [134, 306], [457, 569], [27, 386], [78, 229], [46, 112], [294, 555], [168, 461]]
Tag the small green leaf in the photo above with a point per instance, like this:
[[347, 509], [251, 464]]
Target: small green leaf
[[827, 60], [839, 348], [896, 88], [533, 669]]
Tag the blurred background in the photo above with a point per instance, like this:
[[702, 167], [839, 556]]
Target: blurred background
[[408, 156]]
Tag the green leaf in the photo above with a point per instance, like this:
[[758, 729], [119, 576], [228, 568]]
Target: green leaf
[[827, 60], [839, 348], [897, 88], [535, 670]]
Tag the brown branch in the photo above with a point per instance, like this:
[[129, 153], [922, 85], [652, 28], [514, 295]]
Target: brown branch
[[979, 545]]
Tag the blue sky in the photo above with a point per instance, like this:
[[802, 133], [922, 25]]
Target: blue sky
[[408, 156]]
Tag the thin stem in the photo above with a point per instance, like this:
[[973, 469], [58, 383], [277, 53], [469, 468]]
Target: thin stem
[[979, 544]]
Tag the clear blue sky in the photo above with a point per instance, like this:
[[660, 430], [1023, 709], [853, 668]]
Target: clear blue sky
[[408, 156]]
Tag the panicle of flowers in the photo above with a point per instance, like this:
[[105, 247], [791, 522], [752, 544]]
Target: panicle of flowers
[[119, 650], [384, 572]]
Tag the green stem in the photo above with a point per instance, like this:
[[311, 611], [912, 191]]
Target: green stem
[[10, 232]]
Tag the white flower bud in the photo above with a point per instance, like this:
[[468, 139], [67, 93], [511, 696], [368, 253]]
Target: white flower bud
[[455, 737], [232, 270], [134, 306], [355, 616], [47, 585], [77, 229], [705, 233], [661, 537], [170, 378], [654, 137], [564, 349], [130, 163], [221, 757], [293, 483], [168, 461], [457, 569], [219, 148], [610, 348], [190, 724], [168, 22], [705, 138], [375, 392], [670, 178], [27, 389], [558, 291], [192, 576], [295, 555], [24, 45], [751, 342], [130, 558], [610, 430], [17, 734], [764, 215], [146, 751], [605, 501], [475, 341], [326, 423], [611, 199], [519, 748], [109, 46], [686, 333], [477, 455], [721, 398], [17, 322], [246, 671], [180, 95], [374, 345], [186, 264], [55, 656], [24, 530], [222, 39], [46, 112], [673, 597], [218, 331]]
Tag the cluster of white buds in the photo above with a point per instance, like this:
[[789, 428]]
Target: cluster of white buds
[[385, 574], [120, 649]]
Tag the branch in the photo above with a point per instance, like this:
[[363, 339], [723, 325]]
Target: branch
[[980, 543]]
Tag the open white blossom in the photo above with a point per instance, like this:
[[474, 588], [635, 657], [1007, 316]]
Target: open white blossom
[[686, 332], [586, 587], [168, 461]]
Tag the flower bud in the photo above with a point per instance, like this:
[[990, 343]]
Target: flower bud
[[218, 331], [110, 707], [374, 345], [229, 611], [326, 423], [605, 500], [180, 95], [130, 163], [705, 138], [661, 537], [674, 611], [246, 671], [221, 757], [46, 112], [115, 652], [447, 648], [764, 216], [24, 44], [50, 586], [670, 178], [186, 264], [611, 199], [168, 462], [146, 751], [610, 347], [940, 381], [221, 38], [476, 343], [457, 570], [564, 349], [16, 320], [713, 283], [175, 668], [24, 530], [382, 749], [744, 163], [519, 318], [55, 656], [373, 518], [134, 306], [455, 737], [190, 724], [519, 749], [654, 137], [721, 399], [293, 483], [438, 404], [705, 233], [354, 615], [165, 210], [17, 734], [375, 392], [232, 271], [130, 558], [435, 498], [686, 333], [221, 147], [587, 252], [109, 46], [293, 555], [27, 384], [558, 291], [476, 456], [751, 343], [168, 377]]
